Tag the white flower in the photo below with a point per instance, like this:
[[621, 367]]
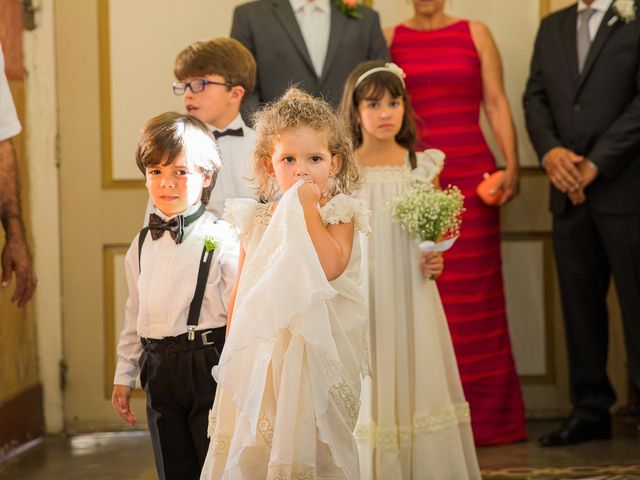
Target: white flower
[[625, 10], [214, 234], [427, 213]]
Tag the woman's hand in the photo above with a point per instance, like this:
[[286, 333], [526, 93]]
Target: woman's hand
[[431, 264], [509, 184]]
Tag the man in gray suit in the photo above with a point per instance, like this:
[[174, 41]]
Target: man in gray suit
[[312, 43]]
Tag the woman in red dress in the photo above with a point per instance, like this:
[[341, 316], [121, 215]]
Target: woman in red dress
[[453, 67]]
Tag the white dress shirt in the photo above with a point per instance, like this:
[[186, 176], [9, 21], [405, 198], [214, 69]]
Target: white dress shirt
[[314, 19], [600, 7], [160, 293], [9, 123], [234, 178]]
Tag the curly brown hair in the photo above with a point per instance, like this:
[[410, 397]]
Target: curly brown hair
[[374, 87], [297, 109]]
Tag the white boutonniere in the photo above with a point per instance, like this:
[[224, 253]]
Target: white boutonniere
[[207, 233], [625, 11]]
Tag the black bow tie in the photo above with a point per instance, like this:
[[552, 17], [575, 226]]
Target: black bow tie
[[175, 226], [229, 131]]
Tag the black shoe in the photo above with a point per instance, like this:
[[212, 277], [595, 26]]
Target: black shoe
[[574, 430]]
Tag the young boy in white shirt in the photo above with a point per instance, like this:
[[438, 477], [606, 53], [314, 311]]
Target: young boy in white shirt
[[180, 272], [214, 77]]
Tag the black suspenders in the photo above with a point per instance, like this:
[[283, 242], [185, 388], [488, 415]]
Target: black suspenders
[[198, 295]]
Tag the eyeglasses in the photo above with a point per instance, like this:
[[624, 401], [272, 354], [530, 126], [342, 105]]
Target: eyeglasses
[[196, 86]]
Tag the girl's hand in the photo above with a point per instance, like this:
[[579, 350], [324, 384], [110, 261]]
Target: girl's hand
[[120, 400], [431, 264], [309, 194]]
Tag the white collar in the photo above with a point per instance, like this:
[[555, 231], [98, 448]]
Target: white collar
[[235, 124], [323, 5], [599, 5], [186, 213]]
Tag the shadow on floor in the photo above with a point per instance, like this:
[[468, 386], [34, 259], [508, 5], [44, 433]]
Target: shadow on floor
[[129, 456]]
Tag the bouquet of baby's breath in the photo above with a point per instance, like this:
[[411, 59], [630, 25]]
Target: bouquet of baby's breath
[[427, 213]]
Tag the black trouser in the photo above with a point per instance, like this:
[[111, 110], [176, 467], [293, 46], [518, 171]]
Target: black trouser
[[176, 374], [590, 246]]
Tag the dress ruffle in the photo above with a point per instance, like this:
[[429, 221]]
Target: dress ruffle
[[429, 164], [343, 208], [240, 212]]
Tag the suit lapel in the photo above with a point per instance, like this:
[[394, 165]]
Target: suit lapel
[[596, 46], [283, 11], [569, 43], [338, 24]]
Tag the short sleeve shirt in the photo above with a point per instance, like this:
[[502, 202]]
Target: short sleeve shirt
[[9, 123]]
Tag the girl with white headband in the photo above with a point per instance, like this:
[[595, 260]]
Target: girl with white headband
[[414, 420]]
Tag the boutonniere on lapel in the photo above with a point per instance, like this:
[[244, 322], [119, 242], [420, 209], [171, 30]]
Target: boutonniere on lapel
[[349, 8], [625, 11], [210, 243]]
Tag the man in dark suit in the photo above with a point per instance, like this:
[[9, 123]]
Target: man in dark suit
[[582, 106], [311, 43]]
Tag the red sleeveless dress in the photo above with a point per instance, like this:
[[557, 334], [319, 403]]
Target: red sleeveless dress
[[445, 85]]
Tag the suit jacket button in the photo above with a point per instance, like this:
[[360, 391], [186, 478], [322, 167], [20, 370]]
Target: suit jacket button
[[577, 107]]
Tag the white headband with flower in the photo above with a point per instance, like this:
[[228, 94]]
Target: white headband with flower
[[388, 67]]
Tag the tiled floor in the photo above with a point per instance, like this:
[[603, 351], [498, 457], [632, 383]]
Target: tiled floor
[[129, 457]]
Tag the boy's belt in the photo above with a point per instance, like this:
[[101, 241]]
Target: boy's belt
[[213, 337]]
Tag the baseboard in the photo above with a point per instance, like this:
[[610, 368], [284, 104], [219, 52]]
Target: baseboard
[[21, 420]]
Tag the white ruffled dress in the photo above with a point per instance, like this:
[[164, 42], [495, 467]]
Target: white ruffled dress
[[414, 421], [289, 374]]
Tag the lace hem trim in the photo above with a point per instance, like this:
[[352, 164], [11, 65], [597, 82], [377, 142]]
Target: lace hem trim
[[439, 420], [360, 224], [297, 471]]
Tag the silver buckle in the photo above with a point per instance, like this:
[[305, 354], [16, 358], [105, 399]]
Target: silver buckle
[[205, 340]]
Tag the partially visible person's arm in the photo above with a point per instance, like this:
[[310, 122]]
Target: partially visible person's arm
[[129, 348], [497, 107], [16, 258]]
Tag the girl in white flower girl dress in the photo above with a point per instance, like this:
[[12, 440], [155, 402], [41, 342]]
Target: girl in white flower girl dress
[[415, 421], [289, 375]]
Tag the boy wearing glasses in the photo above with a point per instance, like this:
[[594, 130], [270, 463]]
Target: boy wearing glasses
[[214, 77]]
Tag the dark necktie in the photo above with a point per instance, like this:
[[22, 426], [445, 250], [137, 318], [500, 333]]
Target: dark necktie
[[229, 131], [175, 226]]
